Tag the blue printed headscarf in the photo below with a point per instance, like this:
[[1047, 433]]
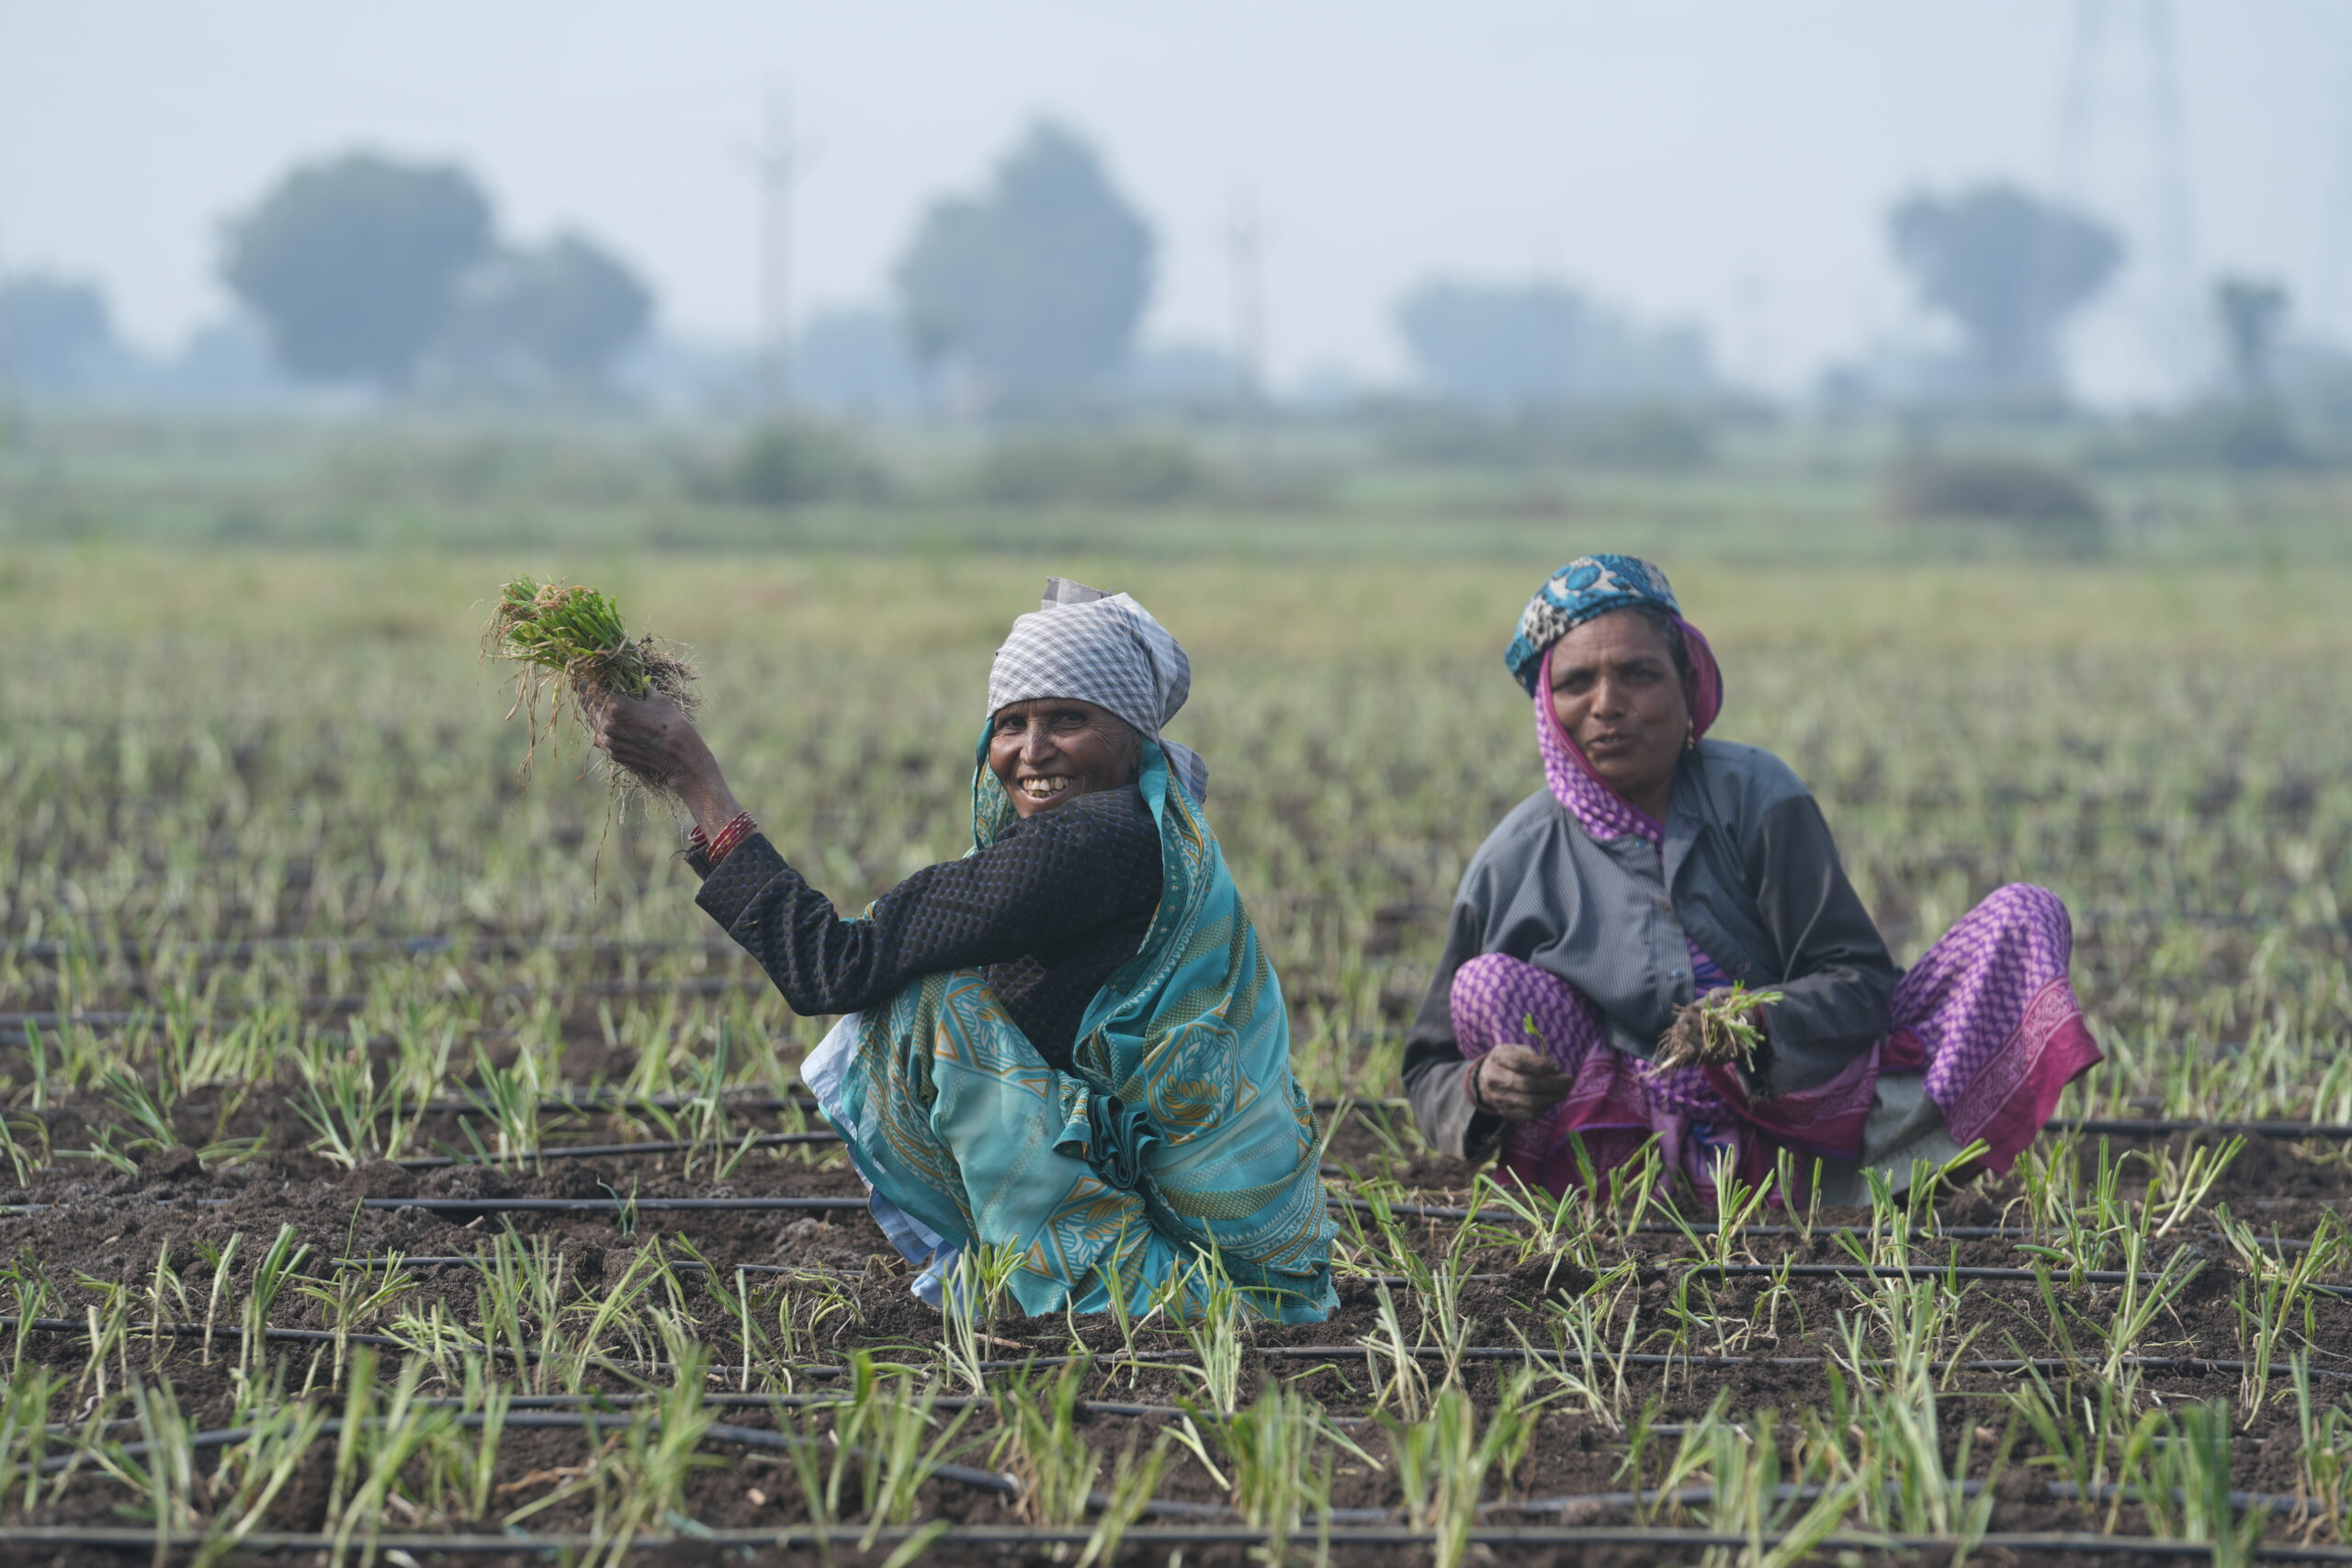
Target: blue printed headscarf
[[1589, 587]]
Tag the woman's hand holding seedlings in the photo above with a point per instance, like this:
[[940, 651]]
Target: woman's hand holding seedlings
[[1516, 1083], [652, 737], [1723, 1026]]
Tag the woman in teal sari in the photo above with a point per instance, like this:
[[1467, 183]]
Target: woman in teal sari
[[1066, 1046]]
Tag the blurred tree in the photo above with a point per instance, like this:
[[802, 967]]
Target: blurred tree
[[1514, 345], [855, 359], [557, 315], [2009, 268], [1493, 342], [1183, 375], [352, 263], [2252, 311], [228, 358], [54, 332], [1036, 287]]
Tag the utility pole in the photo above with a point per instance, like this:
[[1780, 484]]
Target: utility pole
[[775, 164], [1245, 249], [10, 424], [1753, 308]]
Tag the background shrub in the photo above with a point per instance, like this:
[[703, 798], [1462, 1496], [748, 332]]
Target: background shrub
[[798, 462], [2049, 503], [1091, 470]]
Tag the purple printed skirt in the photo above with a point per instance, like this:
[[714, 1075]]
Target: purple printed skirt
[[1987, 1016]]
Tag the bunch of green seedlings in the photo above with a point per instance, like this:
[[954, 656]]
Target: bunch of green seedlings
[[1717, 1029], [569, 647]]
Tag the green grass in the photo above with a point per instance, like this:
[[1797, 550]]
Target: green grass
[[1297, 492], [201, 746], [184, 733]]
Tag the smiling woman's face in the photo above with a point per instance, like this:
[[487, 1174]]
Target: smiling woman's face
[[1051, 750], [1617, 693]]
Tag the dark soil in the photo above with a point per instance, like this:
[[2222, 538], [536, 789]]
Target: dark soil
[[88, 1228]]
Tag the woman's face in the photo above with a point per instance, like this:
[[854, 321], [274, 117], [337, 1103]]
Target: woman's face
[[1615, 691], [1051, 750]]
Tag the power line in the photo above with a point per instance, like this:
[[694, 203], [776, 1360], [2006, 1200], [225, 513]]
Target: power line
[[1245, 239], [776, 164]]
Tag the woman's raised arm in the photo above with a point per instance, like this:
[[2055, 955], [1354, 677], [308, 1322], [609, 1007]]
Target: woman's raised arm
[[652, 738]]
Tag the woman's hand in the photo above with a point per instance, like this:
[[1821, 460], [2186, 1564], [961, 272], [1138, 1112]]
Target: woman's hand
[[1516, 1083], [652, 737], [1721, 1027]]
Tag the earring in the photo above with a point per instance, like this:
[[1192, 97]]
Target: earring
[[1691, 736]]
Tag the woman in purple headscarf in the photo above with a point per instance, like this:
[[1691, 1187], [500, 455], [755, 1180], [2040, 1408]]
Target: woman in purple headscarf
[[1659, 868]]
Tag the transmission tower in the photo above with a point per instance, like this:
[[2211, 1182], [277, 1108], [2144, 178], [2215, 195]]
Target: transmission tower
[[1245, 239], [2332, 305], [2122, 154]]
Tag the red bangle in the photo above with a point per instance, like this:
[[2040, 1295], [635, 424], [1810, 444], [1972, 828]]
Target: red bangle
[[716, 850], [734, 833]]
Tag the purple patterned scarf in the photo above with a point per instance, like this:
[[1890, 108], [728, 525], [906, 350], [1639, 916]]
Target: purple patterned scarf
[[1606, 815]]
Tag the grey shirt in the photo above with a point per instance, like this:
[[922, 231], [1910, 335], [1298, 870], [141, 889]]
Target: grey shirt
[[1749, 873]]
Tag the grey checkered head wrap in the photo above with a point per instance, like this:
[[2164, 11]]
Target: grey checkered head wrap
[[1106, 649]]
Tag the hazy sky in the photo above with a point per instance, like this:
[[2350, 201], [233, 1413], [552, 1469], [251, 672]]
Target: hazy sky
[[1722, 160]]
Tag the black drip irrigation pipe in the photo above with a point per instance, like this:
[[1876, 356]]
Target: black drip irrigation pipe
[[2144, 1127], [756, 1205], [825, 1373], [752, 1206], [1669, 1359], [799, 1098], [1933, 1271], [990, 1481], [994, 1483], [749, 1205], [226, 1331], [842, 1205], [790, 1270], [1933, 1233], [680, 1264], [816, 1401], [407, 947], [998, 1539], [597, 1151], [542, 1205], [2006, 1364], [845, 1205], [1661, 1268], [2280, 1503], [998, 1483], [373, 1341], [617, 1104], [2139, 1127]]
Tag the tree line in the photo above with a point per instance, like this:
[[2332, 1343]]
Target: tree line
[[1029, 292]]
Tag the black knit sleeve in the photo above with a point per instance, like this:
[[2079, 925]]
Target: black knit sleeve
[[1056, 875]]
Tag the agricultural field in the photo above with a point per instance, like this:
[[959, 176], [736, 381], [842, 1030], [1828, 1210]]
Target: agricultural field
[[398, 1162]]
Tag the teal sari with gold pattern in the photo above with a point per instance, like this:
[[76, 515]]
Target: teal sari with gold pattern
[[1180, 1133]]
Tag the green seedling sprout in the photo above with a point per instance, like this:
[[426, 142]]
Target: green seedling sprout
[[1716, 1029]]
